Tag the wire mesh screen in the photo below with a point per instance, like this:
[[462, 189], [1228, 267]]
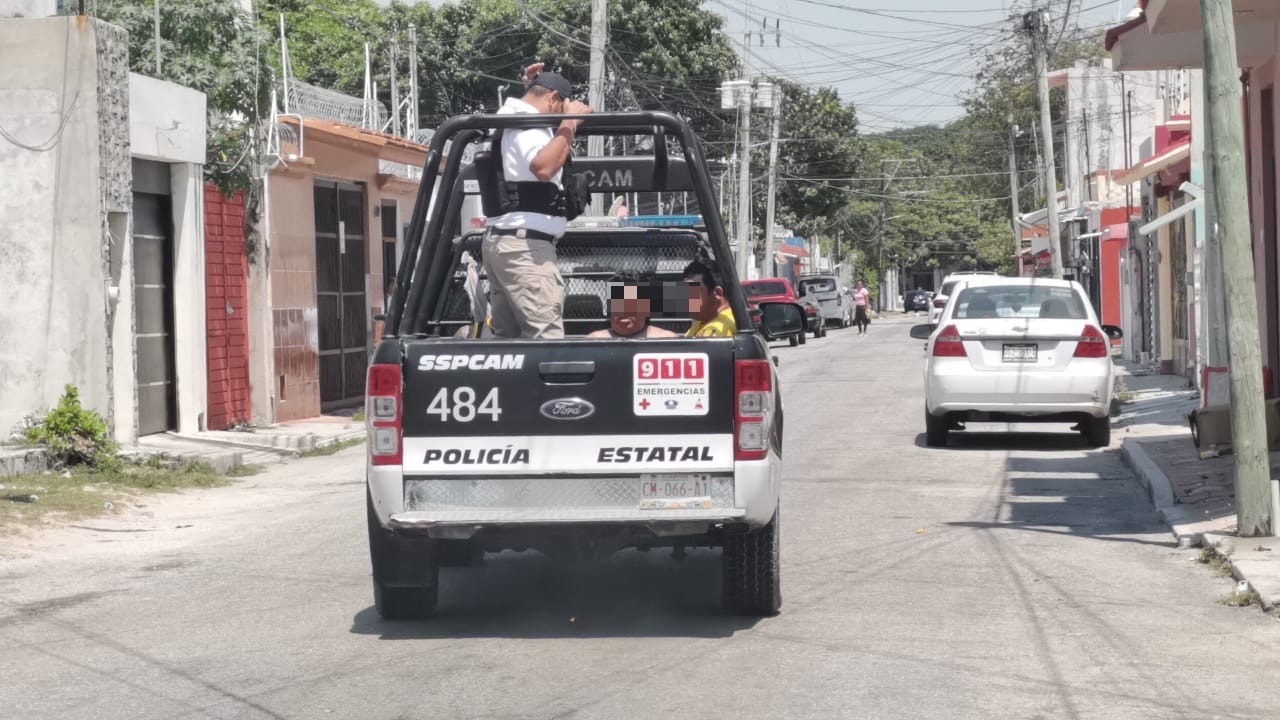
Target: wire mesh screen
[[591, 266]]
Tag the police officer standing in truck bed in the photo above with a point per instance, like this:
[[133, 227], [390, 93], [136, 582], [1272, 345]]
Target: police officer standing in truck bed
[[526, 291]]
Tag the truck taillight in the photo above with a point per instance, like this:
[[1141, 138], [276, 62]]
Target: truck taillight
[[753, 387], [1092, 343], [383, 412], [940, 303], [948, 343]]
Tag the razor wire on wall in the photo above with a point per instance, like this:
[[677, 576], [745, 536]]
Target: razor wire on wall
[[317, 102]]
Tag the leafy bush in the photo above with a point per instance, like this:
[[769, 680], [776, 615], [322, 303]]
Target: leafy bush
[[73, 434]]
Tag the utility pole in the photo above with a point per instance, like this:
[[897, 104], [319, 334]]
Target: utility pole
[[413, 84], [1013, 188], [1035, 24], [157, 12], [744, 181], [599, 35], [367, 120], [769, 269], [395, 89], [1225, 149], [884, 190]]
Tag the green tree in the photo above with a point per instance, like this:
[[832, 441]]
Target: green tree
[[326, 39], [214, 47], [668, 56]]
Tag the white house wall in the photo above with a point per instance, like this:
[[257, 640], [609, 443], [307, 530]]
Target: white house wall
[[167, 123], [53, 280]]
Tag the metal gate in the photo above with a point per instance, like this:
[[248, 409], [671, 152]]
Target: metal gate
[[1180, 315], [340, 292], [153, 303]]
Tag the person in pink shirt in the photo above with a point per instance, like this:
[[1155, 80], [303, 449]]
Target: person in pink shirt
[[861, 303]]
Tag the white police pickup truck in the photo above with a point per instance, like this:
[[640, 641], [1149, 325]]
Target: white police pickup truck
[[578, 447]]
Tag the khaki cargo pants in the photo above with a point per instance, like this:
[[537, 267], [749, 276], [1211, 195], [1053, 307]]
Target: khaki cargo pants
[[526, 292]]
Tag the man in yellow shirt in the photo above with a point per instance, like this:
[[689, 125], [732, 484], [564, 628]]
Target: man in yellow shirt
[[710, 310]]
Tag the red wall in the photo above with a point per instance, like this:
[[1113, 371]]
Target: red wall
[[1112, 250], [226, 290]]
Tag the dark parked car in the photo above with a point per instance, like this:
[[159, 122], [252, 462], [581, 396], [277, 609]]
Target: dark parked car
[[915, 301]]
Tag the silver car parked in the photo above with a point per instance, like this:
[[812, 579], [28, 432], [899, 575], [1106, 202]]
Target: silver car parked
[[837, 306]]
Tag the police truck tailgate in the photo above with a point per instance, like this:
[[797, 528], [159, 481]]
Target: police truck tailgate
[[568, 408]]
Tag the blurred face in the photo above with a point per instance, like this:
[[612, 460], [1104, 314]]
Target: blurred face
[[704, 304], [859, 284], [628, 312], [548, 102]]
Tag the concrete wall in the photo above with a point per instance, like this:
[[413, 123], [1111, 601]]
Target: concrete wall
[[295, 336], [190, 329], [1098, 101], [53, 281], [167, 123], [28, 8], [291, 221], [261, 332], [65, 220]]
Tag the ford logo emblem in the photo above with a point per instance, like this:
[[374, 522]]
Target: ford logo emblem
[[567, 409]]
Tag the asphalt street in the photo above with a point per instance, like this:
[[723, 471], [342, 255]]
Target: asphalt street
[[1006, 576]]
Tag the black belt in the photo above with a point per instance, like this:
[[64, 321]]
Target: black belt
[[524, 233]]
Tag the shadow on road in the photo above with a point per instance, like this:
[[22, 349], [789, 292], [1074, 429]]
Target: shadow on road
[[523, 595], [1048, 441], [1072, 496]]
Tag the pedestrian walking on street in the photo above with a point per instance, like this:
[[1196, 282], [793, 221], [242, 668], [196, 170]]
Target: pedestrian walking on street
[[861, 302]]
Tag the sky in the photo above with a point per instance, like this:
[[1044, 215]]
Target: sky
[[901, 62]]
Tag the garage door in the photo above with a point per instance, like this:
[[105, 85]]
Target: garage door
[[153, 303], [340, 293]]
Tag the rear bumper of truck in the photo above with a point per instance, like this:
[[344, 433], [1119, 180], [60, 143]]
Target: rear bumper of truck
[[459, 507]]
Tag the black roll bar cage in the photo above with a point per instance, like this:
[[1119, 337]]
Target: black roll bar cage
[[414, 279]]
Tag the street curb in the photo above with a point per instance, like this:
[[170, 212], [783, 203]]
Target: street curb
[[1264, 582], [1158, 488], [291, 447], [237, 445]]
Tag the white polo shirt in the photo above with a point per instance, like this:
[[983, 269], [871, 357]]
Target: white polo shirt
[[518, 151]]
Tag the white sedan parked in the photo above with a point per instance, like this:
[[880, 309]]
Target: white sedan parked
[[1018, 350]]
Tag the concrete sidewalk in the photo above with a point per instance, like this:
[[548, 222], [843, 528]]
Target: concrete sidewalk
[[1195, 496], [224, 449], [221, 449]]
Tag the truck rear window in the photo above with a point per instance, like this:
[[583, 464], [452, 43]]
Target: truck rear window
[[757, 289], [1019, 301], [590, 264], [822, 285]]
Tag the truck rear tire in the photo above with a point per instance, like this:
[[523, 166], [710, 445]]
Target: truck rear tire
[[751, 583], [406, 579]]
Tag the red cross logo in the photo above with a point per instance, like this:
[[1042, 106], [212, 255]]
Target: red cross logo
[[644, 404]]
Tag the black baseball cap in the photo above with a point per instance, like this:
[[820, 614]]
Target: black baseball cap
[[555, 82]]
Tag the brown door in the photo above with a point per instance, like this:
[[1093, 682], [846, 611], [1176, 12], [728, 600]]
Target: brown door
[[389, 222], [1272, 263], [340, 292]]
